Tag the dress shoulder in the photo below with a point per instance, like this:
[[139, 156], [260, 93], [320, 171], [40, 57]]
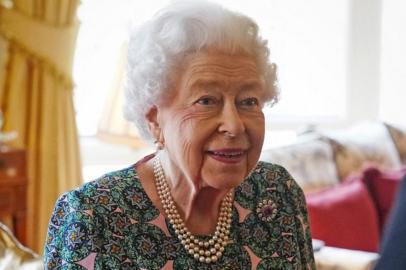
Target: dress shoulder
[[93, 219]]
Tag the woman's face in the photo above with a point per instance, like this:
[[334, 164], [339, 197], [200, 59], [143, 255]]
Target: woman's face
[[213, 124]]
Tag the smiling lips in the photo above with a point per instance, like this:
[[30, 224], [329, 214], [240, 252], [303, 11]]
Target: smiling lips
[[230, 156]]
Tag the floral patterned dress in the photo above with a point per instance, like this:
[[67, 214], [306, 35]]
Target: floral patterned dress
[[111, 223]]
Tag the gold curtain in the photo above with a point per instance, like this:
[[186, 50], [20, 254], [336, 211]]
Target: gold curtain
[[36, 98]]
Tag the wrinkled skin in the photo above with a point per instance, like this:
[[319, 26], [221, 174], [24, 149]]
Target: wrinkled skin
[[212, 127]]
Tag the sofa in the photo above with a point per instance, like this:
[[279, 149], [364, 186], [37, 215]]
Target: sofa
[[350, 179]]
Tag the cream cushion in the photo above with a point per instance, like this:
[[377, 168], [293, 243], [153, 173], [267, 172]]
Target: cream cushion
[[309, 161], [332, 258], [367, 143], [398, 135]]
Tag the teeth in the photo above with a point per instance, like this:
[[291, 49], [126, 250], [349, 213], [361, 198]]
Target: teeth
[[229, 154]]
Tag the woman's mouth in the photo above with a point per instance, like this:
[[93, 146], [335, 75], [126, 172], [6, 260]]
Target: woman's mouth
[[230, 156]]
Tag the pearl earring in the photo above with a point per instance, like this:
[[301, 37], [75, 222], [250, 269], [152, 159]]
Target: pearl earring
[[159, 145]]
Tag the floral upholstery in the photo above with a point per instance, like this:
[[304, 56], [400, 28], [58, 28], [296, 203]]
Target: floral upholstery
[[398, 135], [368, 143], [310, 162]]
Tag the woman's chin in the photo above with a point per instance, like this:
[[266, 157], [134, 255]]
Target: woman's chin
[[226, 182]]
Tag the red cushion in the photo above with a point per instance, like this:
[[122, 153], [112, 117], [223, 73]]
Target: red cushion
[[383, 186], [344, 216]]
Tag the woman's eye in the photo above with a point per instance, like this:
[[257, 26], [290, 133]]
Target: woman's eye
[[250, 102], [206, 101]]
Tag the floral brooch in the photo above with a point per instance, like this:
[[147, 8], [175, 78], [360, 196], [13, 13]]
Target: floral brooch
[[266, 210]]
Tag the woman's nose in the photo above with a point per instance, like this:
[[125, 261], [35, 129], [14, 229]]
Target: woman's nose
[[231, 121]]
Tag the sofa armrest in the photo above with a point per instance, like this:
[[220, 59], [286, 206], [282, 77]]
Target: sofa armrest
[[13, 255]]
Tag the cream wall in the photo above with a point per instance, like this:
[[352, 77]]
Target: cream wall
[[364, 48], [376, 74], [375, 84], [377, 58], [393, 63]]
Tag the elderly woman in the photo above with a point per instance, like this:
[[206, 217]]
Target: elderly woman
[[198, 79]]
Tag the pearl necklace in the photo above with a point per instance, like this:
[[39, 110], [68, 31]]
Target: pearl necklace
[[203, 251]]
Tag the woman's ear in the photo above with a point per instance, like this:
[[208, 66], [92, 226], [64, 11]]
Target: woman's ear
[[153, 123]]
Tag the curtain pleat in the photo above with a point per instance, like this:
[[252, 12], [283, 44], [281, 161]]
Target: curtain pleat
[[15, 109], [4, 56], [50, 12], [63, 8], [25, 6]]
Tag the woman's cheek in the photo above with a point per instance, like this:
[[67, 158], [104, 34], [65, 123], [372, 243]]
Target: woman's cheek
[[256, 133], [187, 136]]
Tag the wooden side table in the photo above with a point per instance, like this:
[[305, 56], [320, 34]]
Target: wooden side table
[[13, 191]]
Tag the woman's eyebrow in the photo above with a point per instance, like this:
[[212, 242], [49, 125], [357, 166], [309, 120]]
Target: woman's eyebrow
[[205, 83], [213, 83], [252, 84]]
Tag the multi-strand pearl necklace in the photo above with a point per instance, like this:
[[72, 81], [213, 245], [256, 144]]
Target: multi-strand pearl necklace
[[204, 251]]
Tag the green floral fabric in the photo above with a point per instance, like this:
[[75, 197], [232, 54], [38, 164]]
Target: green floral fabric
[[109, 224]]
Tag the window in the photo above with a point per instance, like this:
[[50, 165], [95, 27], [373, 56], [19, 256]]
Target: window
[[308, 42]]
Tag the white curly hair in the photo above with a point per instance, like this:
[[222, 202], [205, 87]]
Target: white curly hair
[[158, 46]]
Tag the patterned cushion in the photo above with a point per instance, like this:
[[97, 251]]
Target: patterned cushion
[[368, 143], [310, 162], [398, 135]]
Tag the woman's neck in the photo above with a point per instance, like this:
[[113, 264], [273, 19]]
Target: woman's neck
[[200, 212], [197, 204]]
